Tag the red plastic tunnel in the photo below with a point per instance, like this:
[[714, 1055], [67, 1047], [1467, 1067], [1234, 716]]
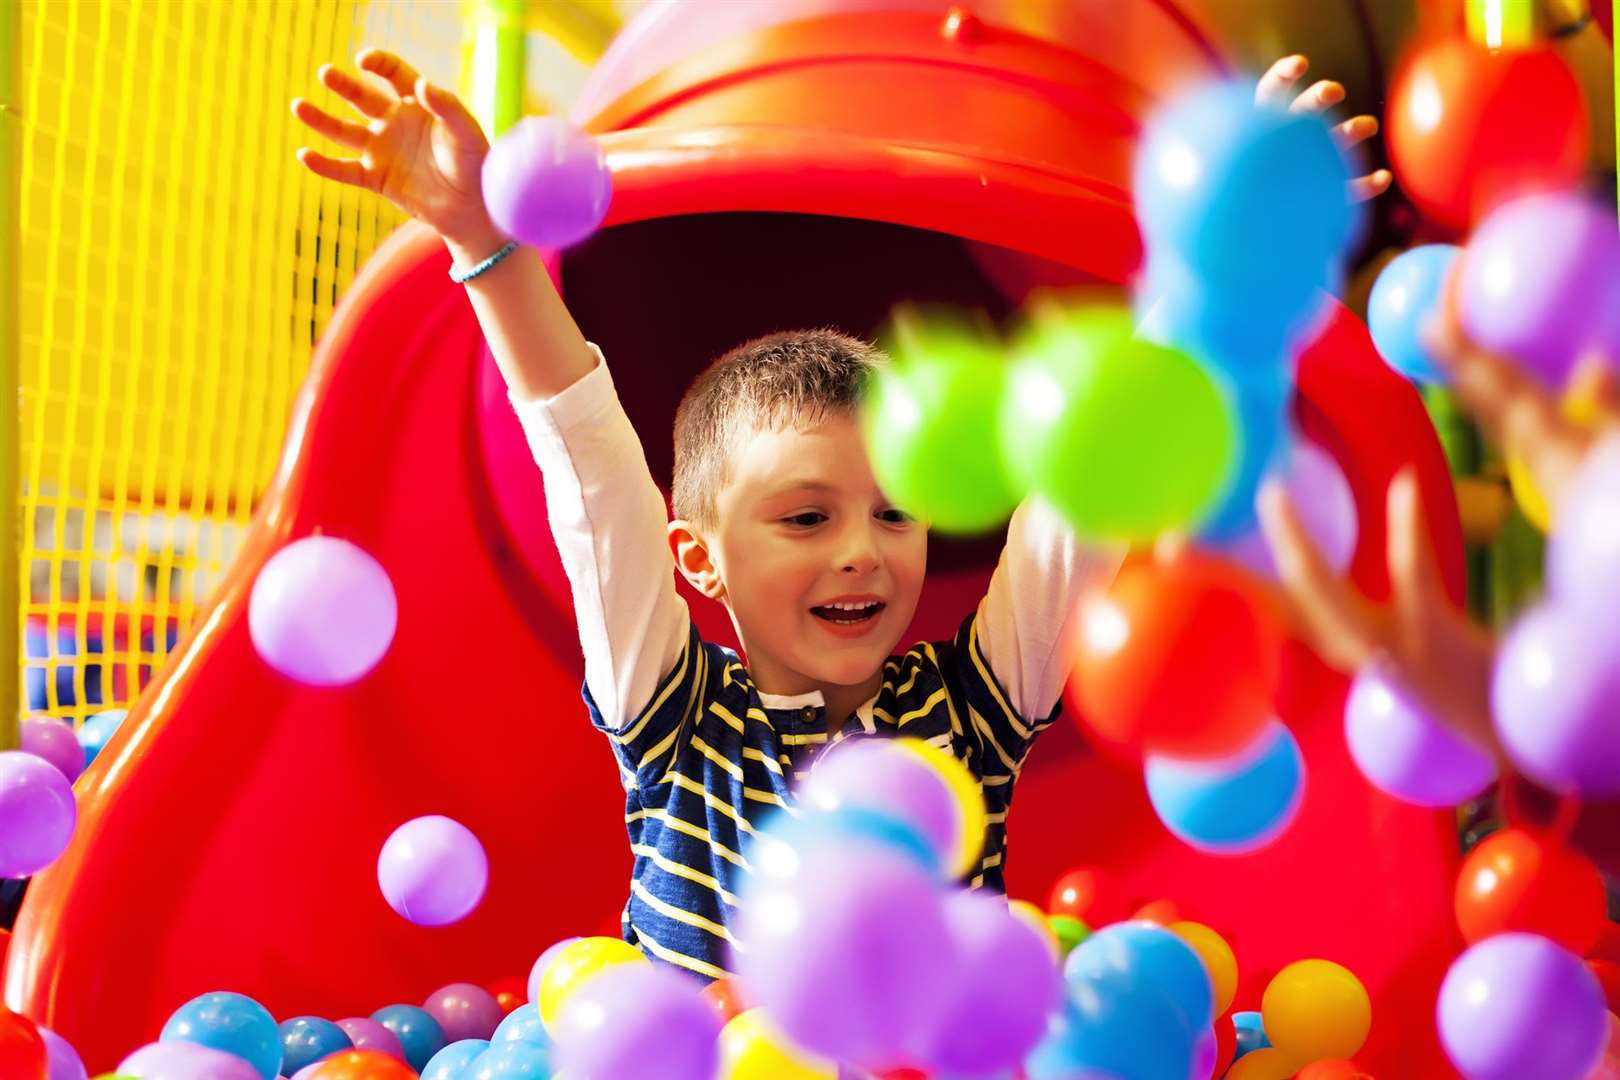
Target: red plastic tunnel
[[809, 172]]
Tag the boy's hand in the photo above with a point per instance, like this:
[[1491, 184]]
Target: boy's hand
[[1418, 637], [1274, 87], [419, 148]]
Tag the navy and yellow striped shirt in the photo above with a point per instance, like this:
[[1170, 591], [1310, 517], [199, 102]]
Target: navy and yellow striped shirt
[[710, 759]]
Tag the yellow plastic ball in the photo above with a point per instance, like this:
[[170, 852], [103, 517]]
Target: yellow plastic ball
[[1036, 918], [1218, 960], [1263, 1064], [969, 799], [1316, 1009], [752, 1049], [574, 964], [1529, 497]]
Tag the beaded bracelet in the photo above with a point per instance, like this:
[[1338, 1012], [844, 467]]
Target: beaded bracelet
[[458, 276]]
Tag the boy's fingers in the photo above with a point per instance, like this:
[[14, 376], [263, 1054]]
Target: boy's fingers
[[1331, 617], [1323, 94], [1354, 131], [368, 99], [449, 109], [1273, 86], [344, 172], [1414, 571], [399, 74], [340, 131], [1593, 396], [1370, 186]]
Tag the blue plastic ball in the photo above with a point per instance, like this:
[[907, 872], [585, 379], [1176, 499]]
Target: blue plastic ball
[[1231, 806], [510, 1061], [1265, 434], [96, 730], [419, 1034], [1143, 957], [1105, 1030], [1242, 335], [522, 1024], [233, 1023], [1251, 1033], [451, 1062], [1403, 300], [307, 1039]]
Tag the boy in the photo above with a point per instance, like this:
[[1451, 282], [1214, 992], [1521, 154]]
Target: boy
[[777, 516]]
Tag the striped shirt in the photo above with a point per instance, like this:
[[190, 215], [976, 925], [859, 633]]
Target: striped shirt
[[704, 756], [711, 759]]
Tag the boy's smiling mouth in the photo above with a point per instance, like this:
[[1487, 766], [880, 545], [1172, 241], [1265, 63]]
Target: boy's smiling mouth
[[849, 613]]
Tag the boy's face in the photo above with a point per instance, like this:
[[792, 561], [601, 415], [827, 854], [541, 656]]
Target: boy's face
[[801, 525]]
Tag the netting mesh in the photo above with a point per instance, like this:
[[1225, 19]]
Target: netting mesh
[[177, 267]]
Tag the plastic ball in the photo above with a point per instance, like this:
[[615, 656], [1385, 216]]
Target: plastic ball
[[179, 1059], [547, 183], [1115, 1023], [1125, 438], [451, 1062], [1239, 335], [1517, 1005], [994, 1007], [1140, 957], [361, 1065], [1205, 177], [1233, 806], [929, 422], [419, 1034], [1467, 127], [96, 731], [1519, 880], [37, 813], [62, 1062], [751, 1048], [1266, 1063], [1265, 443], [307, 1039], [1316, 1009], [1583, 550], [1332, 1069], [522, 1024], [1161, 912], [1404, 753], [1180, 658], [1553, 691], [366, 1034], [22, 1048], [464, 1011], [1326, 506], [322, 611], [510, 1061], [1250, 1029], [1090, 894], [632, 1015], [433, 871], [1540, 283], [538, 970], [53, 740], [1069, 932], [509, 992], [230, 1022], [1404, 300], [1218, 958], [1035, 919], [574, 964]]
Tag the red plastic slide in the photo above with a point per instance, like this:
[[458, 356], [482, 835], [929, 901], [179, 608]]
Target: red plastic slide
[[804, 173]]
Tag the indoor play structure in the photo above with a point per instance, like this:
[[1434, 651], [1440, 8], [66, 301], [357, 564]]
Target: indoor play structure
[[902, 151]]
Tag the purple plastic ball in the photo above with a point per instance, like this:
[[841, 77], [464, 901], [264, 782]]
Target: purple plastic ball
[[846, 946], [635, 1020], [1541, 283], [1583, 551], [547, 183], [367, 1034], [1516, 1006], [1321, 495], [37, 813], [1005, 986], [53, 740], [1554, 694], [62, 1062], [538, 971], [1404, 753], [322, 612], [177, 1059], [464, 1011], [874, 774], [433, 871]]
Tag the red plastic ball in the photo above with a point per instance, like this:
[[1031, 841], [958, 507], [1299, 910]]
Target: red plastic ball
[[1090, 894], [362, 1065], [1519, 880], [1162, 912], [1179, 658], [510, 992], [1608, 977], [1469, 128], [722, 994], [1332, 1069], [22, 1051]]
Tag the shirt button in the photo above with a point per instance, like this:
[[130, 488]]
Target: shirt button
[[807, 713]]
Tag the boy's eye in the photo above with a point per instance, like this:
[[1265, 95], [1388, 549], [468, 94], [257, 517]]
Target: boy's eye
[[799, 519], [899, 517]]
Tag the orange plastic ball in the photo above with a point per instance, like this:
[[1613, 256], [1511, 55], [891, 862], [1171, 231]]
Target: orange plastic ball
[[1090, 894], [1179, 658], [1332, 1069], [509, 992], [1163, 912], [362, 1065], [1518, 880], [722, 994]]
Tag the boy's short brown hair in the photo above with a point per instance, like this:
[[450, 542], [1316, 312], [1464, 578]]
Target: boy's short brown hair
[[794, 377]]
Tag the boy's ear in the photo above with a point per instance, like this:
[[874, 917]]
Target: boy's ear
[[691, 553]]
